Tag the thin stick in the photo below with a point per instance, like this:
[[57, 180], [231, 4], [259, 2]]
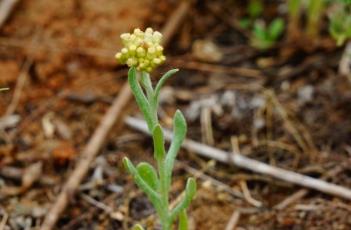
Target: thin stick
[[291, 199], [233, 221], [219, 184], [21, 80], [303, 192], [6, 7], [96, 141], [213, 68], [97, 203], [247, 195], [253, 165], [4, 220]]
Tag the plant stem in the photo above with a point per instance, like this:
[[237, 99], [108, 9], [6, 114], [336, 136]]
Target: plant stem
[[294, 17], [315, 8], [164, 187], [157, 186]]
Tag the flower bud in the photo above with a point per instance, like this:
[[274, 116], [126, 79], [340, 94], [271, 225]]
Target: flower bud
[[141, 50]]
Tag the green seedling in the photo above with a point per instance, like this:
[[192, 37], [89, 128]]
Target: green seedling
[[264, 37], [142, 52], [294, 9], [315, 9], [254, 10], [340, 23]]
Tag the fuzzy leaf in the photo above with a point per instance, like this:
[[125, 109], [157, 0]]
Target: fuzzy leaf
[[190, 191], [161, 82], [147, 85], [143, 185], [179, 132], [259, 31], [138, 227], [149, 175], [276, 28], [183, 221], [140, 98], [159, 143]]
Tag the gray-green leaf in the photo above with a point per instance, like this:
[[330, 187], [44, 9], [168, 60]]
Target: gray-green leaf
[[159, 143], [161, 82], [148, 173], [143, 185], [179, 132], [140, 98], [138, 227], [190, 191], [276, 28], [183, 221]]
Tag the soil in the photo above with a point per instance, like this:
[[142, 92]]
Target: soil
[[287, 107]]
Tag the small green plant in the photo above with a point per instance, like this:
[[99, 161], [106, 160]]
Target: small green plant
[[340, 22], [142, 52], [315, 10], [294, 7], [264, 37], [254, 10]]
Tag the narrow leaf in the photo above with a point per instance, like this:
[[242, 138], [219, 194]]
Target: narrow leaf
[[149, 175], [276, 29], [259, 31], [190, 191], [179, 132], [140, 98], [159, 143], [153, 196], [183, 221], [147, 85], [138, 227], [161, 82]]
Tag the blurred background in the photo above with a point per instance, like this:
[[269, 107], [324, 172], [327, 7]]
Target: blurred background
[[270, 79]]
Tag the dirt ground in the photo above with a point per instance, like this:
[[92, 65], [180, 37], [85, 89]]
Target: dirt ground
[[287, 107]]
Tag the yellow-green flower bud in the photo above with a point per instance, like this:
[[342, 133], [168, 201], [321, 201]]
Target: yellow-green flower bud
[[141, 49]]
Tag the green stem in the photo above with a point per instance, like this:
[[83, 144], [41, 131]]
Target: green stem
[[315, 8], [141, 99], [294, 7], [148, 104], [164, 187], [183, 221]]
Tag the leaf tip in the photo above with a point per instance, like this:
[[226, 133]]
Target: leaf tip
[[191, 187]]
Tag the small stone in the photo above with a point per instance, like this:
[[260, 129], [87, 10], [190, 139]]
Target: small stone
[[305, 94]]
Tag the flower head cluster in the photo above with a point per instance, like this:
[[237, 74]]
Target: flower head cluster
[[141, 50]]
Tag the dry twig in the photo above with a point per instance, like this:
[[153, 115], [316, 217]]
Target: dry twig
[[21, 80], [253, 165], [92, 148], [4, 220], [233, 221], [296, 130], [6, 7], [214, 68], [303, 192]]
